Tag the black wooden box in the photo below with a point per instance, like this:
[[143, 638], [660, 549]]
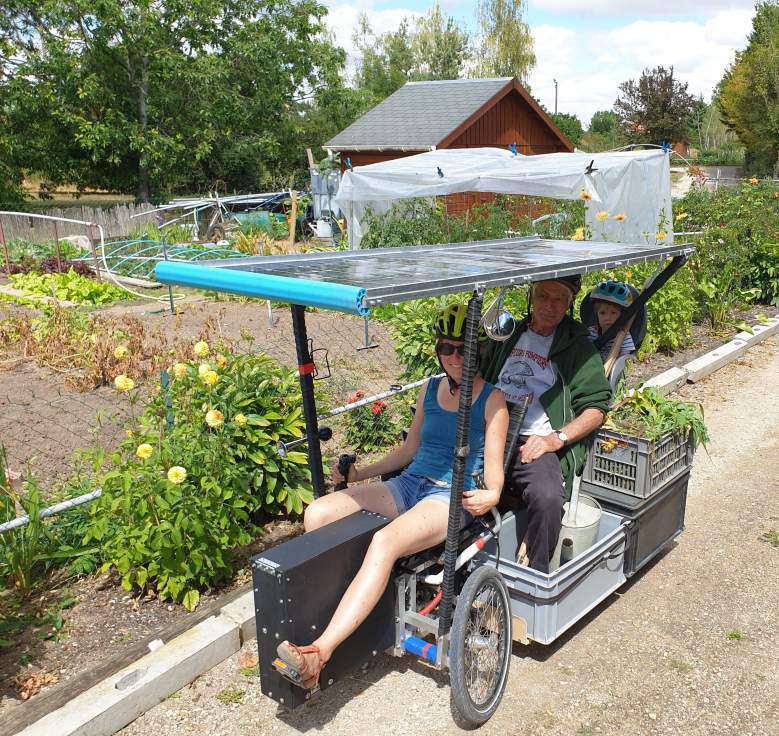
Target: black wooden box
[[297, 587]]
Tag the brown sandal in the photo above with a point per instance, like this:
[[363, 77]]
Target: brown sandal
[[291, 664]]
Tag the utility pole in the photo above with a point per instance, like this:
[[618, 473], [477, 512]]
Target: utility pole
[[555, 96]]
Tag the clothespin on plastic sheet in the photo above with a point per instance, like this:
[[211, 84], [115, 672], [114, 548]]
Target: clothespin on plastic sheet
[[440, 173], [513, 147], [666, 145], [348, 162]]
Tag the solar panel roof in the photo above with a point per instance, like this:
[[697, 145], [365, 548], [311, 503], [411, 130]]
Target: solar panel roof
[[391, 275]]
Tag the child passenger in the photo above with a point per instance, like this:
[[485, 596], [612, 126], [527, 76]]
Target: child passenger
[[609, 298]]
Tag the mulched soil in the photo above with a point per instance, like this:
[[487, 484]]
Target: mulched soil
[[37, 411]]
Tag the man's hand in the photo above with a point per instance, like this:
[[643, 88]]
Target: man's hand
[[480, 500], [538, 445]]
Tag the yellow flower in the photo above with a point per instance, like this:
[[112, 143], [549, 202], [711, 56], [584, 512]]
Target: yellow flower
[[130, 433], [579, 234], [628, 274], [214, 418], [660, 235], [753, 180], [620, 217], [682, 216], [202, 369], [123, 383], [179, 370], [201, 349], [602, 215], [210, 378], [585, 195], [144, 451], [240, 419], [177, 474], [776, 194], [120, 352], [221, 361]]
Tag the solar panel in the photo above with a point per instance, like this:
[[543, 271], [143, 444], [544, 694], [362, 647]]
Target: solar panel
[[390, 275]]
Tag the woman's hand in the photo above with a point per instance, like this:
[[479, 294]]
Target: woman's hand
[[337, 477], [480, 500]]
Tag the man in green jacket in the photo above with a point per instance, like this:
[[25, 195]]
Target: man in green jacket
[[550, 357]]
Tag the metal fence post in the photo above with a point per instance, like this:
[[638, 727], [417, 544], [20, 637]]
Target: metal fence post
[[5, 250]]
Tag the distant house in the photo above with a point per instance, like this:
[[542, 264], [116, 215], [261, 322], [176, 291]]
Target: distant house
[[460, 113]]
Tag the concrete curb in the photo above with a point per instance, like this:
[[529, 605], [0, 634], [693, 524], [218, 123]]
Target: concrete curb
[[121, 698]]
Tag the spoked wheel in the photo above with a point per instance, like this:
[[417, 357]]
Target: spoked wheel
[[480, 647]]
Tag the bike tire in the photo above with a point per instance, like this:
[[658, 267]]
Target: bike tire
[[481, 631]]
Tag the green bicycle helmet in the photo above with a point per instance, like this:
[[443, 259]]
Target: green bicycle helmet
[[614, 292], [450, 323]]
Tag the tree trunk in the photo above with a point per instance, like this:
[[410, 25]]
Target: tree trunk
[[142, 194]]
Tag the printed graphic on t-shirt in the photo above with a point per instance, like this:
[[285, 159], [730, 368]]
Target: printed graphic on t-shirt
[[529, 372]]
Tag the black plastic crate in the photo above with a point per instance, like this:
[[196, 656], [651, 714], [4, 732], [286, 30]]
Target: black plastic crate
[[654, 522]]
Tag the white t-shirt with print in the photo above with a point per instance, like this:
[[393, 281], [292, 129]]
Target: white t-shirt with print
[[528, 370]]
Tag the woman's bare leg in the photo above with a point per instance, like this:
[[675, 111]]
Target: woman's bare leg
[[420, 528], [327, 509]]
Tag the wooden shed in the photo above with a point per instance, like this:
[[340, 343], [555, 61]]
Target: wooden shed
[[460, 113]]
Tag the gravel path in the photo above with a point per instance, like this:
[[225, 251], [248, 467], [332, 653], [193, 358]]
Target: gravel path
[[689, 646]]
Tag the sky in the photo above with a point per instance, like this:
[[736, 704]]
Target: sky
[[591, 47]]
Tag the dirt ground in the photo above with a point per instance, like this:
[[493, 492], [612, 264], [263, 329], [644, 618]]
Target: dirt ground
[[690, 645]]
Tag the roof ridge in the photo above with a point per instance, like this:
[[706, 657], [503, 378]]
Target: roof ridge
[[458, 81]]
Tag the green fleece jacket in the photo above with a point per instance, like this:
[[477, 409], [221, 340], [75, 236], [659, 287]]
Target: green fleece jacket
[[580, 384]]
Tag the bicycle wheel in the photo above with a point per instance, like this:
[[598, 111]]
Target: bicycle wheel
[[480, 647]]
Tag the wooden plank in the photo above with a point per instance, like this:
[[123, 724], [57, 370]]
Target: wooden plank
[[57, 695]]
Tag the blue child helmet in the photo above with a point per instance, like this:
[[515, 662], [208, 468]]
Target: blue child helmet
[[612, 291]]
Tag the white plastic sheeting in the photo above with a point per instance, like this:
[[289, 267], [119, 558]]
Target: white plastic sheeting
[[636, 184]]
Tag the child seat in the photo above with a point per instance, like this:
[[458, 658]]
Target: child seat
[[637, 331]]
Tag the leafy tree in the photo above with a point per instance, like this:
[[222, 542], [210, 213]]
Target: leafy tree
[[749, 92], [436, 48], [570, 125], [604, 122], [655, 108], [149, 97], [506, 48]]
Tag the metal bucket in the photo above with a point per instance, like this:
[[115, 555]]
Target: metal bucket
[[577, 534]]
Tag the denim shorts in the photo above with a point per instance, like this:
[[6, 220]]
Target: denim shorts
[[408, 490]]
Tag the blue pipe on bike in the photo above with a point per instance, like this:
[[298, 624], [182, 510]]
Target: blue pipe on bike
[[421, 648]]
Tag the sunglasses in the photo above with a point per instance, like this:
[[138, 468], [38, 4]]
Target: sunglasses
[[446, 348]]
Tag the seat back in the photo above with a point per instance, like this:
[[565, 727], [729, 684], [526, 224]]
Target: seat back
[[637, 329]]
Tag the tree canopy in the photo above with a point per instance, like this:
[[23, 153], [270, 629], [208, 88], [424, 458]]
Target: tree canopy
[[655, 108], [435, 48], [150, 97], [749, 92], [570, 125], [506, 48]]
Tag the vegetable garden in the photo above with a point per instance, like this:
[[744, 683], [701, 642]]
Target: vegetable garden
[[177, 418]]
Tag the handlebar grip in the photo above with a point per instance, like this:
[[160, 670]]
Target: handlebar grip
[[344, 461]]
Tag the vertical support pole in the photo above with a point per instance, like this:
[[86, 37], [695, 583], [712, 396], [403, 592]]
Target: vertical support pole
[[94, 251], [5, 250], [270, 314], [306, 372], [57, 246], [461, 450]]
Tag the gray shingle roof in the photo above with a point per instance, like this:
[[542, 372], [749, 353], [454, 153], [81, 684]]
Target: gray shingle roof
[[419, 114]]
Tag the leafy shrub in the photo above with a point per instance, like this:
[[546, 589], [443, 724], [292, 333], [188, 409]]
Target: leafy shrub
[[370, 428], [69, 286], [411, 327], [408, 222], [179, 493], [735, 253]]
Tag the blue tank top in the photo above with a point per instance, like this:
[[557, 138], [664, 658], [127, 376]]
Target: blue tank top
[[435, 455]]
